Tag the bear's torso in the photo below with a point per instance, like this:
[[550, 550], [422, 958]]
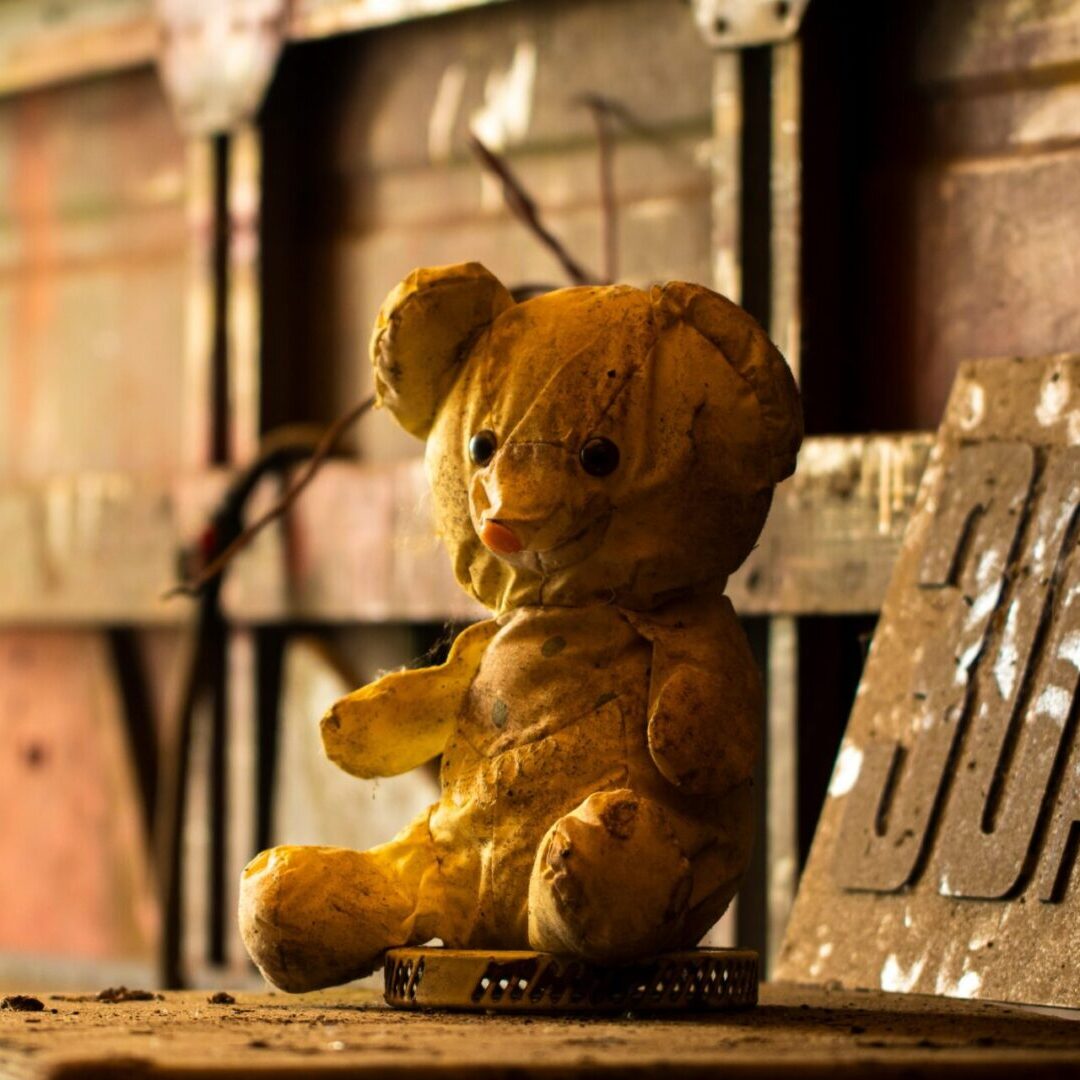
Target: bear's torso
[[557, 711]]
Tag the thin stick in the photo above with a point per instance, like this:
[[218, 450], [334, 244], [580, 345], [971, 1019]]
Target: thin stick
[[602, 116], [524, 209], [322, 450]]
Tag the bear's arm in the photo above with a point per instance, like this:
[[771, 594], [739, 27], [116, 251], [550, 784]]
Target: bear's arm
[[705, 697], [404, 719]]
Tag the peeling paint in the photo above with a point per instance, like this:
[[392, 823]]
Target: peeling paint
[[1053, 399], [846, 774], [1008, 656], [1054, 702], [1069, 649], [895, 979], [974, 408]]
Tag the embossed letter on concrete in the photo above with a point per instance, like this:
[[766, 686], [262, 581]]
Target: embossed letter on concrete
[[945, 859]]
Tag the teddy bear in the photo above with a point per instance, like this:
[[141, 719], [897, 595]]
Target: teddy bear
[[600, 460]]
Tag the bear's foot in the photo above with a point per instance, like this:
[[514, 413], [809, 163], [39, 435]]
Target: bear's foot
[[319, 916], [610, 882]]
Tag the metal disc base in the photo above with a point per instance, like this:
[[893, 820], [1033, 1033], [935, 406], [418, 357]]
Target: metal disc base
[[520, 981]]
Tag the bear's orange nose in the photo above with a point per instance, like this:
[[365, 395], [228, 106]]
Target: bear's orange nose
[[499, 538]]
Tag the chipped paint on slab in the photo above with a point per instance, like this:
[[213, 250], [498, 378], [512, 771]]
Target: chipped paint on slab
[[974, 408], [1069, 649], [825, 950], [1053, 398], [846, 774], [967, 985], [896, 979], [984, 605], [964, 662], [1008, 656], [990, 566], [1072, 427], [1054, 702]]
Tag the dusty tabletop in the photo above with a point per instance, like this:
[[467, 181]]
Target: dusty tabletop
[[794, 1031]]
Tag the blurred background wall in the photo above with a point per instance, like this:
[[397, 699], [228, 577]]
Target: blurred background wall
[[890, 188]]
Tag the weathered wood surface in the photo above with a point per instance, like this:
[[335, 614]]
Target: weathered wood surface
[[387, 181], [93, 247], [74, 872], [945, 857], [795, 1031], [359, 545], [43, 43], [835, 528], [958, 225]]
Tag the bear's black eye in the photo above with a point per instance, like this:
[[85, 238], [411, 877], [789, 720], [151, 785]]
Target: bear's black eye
[[599, 457], [482, 447]]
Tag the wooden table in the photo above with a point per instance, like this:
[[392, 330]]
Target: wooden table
[[796, 1031]]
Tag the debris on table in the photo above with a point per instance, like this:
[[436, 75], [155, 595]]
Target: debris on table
[[221, 997], [115, 994], [22, 1003]]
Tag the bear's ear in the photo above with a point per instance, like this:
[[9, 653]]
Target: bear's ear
[[747, 348], [421, 332]]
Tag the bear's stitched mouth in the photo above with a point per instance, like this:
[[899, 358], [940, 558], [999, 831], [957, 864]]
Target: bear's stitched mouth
[[564, 553]]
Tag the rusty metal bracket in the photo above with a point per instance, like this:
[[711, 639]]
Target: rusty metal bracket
[[216, 58], [736, 24]]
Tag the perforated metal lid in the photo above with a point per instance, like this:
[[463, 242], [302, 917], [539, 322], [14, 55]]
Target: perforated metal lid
[[506, 981]]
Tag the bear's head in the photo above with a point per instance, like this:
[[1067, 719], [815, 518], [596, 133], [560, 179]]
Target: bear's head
[[591, 444]]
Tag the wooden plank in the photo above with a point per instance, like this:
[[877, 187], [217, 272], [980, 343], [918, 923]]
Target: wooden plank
[[92, 249], [74, 866], [966, 182], [323, 18], [835, 527], [43, 43], [359, 545], [990, 39], [795, 1032]]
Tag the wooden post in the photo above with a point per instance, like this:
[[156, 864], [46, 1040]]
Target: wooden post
[[196, 405], [782, 720], [726, 261]]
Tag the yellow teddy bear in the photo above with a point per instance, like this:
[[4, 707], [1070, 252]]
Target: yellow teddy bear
[[601, 460]]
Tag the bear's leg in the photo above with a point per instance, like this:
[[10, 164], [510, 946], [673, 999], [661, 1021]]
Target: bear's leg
[[611, 882], [319, 916]]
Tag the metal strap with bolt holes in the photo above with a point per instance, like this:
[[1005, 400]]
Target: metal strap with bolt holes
[[522, 981]]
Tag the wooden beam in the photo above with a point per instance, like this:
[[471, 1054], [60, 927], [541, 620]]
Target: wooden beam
[[359, 546], [835, 528], [46, 43], [41, 43]]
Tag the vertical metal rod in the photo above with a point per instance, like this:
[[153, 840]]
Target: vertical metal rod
[[782, 721]]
